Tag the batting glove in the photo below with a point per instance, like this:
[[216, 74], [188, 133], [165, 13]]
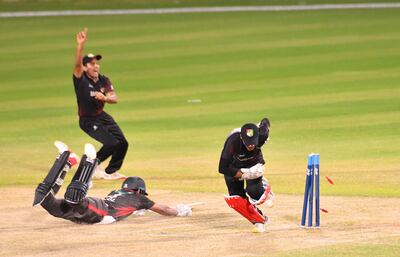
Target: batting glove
[[183, 210]]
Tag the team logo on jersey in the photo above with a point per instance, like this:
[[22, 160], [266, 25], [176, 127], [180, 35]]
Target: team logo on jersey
[[90, 85], [250, 132], [95, 127]]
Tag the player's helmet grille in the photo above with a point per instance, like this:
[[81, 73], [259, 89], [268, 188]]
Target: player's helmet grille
[[135, 183]]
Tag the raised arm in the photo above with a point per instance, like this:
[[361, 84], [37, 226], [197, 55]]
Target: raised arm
[[80, 40]]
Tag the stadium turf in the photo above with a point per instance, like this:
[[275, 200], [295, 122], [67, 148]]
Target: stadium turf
[[328, 81]]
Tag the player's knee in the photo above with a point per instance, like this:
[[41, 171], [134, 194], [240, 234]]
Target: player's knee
[[111, 146], [255, 192], [55, 207], [257, 195], [121, 146]]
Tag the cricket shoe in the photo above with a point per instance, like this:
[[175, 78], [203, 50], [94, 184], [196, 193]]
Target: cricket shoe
[[260, 227], [99, 173], [73, 157], [61, 147], [90, 151], [114, 176]]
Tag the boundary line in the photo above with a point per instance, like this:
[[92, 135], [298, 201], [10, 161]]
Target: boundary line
[[277, 8]]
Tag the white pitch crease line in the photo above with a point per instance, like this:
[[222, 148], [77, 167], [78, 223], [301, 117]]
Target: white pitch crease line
[[277, 8]]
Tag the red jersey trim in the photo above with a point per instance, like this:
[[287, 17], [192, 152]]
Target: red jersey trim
[[124, 211], [97, 211]]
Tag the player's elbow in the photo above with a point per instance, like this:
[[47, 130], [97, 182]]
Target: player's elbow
[[223, 166]]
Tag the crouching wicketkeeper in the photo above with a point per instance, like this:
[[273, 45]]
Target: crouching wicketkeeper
[[78, 208], [242, 161]]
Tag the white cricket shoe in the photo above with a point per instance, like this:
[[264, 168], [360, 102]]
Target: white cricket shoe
[[90, 151], [62, 147], [114, 176], [99, 173], [259, 228]]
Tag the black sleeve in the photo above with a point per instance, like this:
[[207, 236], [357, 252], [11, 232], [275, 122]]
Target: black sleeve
[[226, 161], [260, 158], [76, 81], [108, 87], [145, 203], [263, 135]]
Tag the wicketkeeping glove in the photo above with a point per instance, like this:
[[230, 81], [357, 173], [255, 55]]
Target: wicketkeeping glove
[[252, 173]]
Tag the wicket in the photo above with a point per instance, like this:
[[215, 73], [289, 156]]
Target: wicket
[[312, 179]]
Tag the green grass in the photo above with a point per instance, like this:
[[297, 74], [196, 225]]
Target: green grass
[[328, 80], [388, 248], [36, 5]]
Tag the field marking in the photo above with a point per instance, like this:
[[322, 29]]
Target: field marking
[[277, 8]]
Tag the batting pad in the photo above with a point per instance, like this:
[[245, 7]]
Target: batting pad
[[245, 208]]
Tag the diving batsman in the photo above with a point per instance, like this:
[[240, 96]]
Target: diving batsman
[[242, 165], [79, 208]]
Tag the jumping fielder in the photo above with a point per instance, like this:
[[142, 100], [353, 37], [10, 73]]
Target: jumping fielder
[[242, 161], [76, 207], [92, 91]]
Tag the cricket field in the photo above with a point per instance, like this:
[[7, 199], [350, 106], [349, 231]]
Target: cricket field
[[329, 81]]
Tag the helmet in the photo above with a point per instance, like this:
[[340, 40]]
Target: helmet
[[134, 183], [249, 134]]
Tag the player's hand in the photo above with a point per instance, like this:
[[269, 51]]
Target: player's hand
[[81, 37], [100, 97], [183, 210], [264, 127]]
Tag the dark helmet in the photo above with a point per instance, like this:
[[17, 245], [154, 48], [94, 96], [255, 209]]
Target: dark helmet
[[249, 134], [134, 183]]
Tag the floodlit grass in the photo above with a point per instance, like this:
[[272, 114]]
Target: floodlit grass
[[390, 248], [328, 80]]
